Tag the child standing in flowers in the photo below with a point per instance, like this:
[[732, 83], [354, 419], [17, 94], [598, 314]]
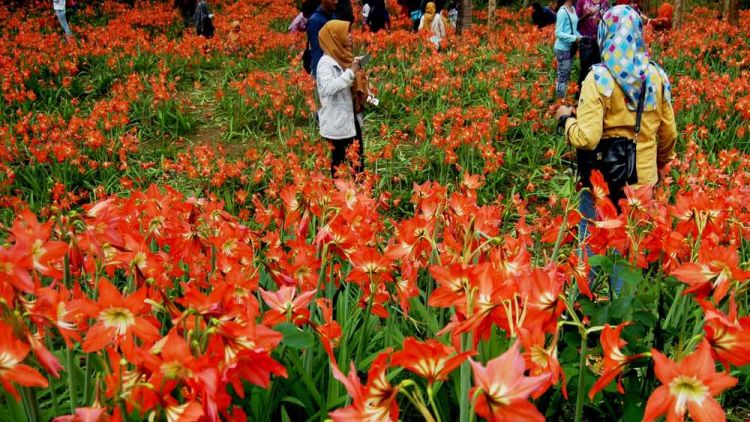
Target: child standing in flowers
[[341, 88], [59, 7], [566, 41], [607, 109]]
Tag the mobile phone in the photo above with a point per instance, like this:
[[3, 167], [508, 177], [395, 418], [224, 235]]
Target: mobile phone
[[364, 60]]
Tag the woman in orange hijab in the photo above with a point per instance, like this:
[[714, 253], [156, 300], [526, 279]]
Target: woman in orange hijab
[[342, 88]]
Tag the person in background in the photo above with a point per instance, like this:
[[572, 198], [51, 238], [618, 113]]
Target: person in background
[[608, 104], [59, 7], [187, 10], [566, 41], [433, 22], [542, 16], [324, 13], [344, 11], [590, 13], [203, 20], [341, 85], [365, 11], [415, 13], [663, 21], [299, 24], [378, 18], [453, 14]]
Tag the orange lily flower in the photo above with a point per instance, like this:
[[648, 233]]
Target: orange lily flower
[[431, 359], [504, 388], [688, 387]]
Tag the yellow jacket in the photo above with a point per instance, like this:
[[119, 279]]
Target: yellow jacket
[[600, 117]]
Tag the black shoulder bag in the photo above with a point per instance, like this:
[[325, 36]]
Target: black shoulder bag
[[614, 158]]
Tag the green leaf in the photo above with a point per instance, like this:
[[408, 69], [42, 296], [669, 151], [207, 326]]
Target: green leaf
[[620, 307], [295, 338]]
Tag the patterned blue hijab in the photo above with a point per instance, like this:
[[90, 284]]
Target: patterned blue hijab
[[625, 61]]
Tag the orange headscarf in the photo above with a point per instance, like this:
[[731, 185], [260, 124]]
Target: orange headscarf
[[332, 38]]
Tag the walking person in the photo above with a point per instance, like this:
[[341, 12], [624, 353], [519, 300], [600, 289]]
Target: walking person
[[625, 106], [324, 13], [59, 7], [590, 13], [566, 44], [342, 88]]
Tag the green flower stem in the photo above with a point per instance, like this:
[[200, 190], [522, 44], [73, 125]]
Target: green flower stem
[[581, 378], [365, 327], [72, 388], [465, 383], [431, 397]]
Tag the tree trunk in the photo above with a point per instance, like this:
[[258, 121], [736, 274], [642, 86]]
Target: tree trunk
[[677, 13], [464, 16], [491, 6], [732, 12]]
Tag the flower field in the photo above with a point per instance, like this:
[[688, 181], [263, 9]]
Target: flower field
[[174, 248]]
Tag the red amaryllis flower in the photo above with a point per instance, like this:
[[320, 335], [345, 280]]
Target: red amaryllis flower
[[15, 264], [85, 414], [369, 265], [614, 360], [373, 402], [504, 388], [118, 319], [728, 335], [12, 352], [688, 387], [285, 306], [453, 282], [542, 359], [330, 331], [431, 359], [717, 267]]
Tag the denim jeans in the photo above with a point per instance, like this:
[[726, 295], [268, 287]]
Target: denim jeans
[[564, 66], [63, 22], [586, 207]]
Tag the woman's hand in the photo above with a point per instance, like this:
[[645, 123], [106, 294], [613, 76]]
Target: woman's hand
[[564, 111]]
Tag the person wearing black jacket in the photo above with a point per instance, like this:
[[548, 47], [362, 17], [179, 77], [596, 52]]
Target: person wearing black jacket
[[344, 11]]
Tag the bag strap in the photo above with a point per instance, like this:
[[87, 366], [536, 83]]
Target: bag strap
[[570, 20], [639, 112]]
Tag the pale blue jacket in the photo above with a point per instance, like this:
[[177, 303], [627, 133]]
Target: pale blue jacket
[[566, 29]]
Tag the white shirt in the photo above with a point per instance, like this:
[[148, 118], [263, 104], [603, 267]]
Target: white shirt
[[336, 114], [58, 4]]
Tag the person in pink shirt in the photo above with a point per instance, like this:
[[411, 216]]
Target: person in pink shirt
[[589, 13]]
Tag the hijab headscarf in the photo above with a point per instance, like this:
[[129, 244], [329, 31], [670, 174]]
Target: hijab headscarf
[[333, 37], [625, 61], [429, 14]]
